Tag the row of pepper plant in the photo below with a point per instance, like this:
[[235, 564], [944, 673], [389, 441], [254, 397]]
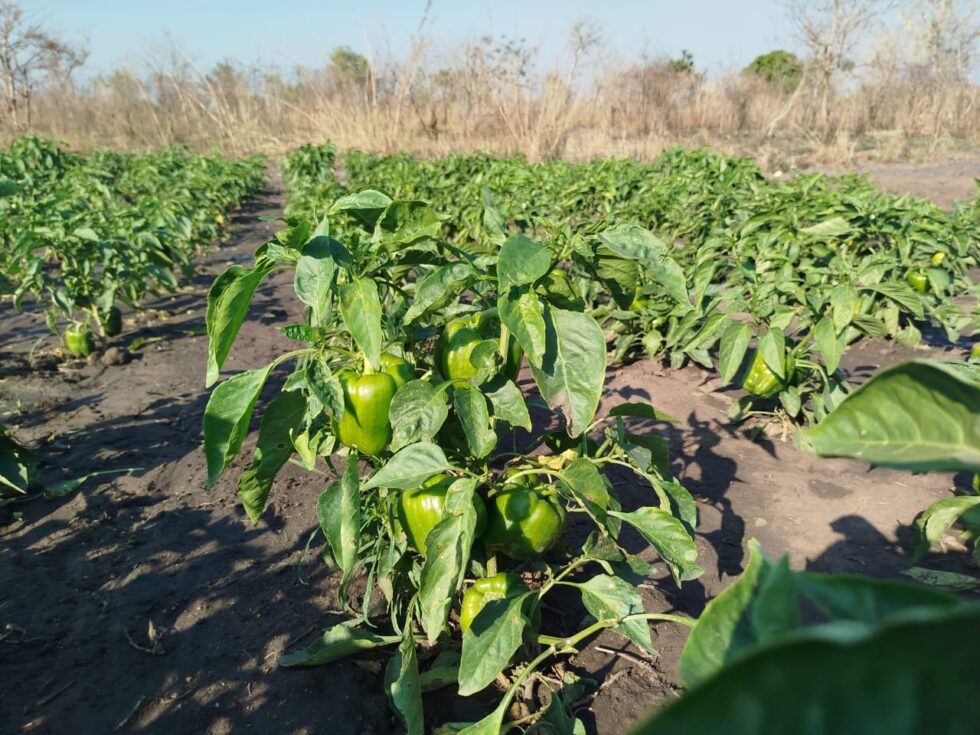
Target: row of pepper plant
[[82, 235], [800, 268], [459, 525]]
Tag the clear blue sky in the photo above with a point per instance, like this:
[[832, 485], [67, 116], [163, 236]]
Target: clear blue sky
[[720, 33]]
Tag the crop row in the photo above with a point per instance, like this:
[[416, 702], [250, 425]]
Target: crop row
[[81, 234], [719, 256]]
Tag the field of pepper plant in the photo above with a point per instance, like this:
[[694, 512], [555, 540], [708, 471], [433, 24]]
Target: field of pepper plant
[[487, 446], [83, 235]]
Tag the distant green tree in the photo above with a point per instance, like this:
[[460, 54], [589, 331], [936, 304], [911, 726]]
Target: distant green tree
[[684, 64], [778, 67], [348, 66]]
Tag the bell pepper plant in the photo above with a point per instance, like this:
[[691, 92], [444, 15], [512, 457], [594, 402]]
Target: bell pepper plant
[[407, 338]]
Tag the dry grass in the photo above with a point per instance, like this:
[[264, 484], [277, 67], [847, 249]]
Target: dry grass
[[487, 99]]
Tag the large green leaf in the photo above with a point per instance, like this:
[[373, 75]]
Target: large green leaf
[[226, 418], [338, 641], [523, 313], [903, 295], [417, 412], [367, 205], [830, 344], [864, 600], [828, 229], [583, 480], [274, 447], [447, 557], [918, 415], [338, 509], [438, 288], [731, 350], [607, 597], [772, 345], [474, 415], [360, 307], [669, 537], [410, 467], [507, 402], [491, 642], [403, 686], [635, 243], [315, 271], [17, 465], [325, 387], [907, 677], [228, 301], [405, 222], [521, 261], [573, 368], [759, 604]]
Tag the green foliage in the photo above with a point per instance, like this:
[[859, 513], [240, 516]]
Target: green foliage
[[869, 663], [824, 259], [683, 64], [82, 233], [693, 257], [782, 68], [753, 666], [875, 424], [885, 679], [346, 65], [17, 466]]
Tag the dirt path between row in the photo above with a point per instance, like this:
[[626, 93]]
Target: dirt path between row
[[144, 603]]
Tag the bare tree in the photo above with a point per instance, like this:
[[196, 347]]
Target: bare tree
[[29, 56], [831, 31], [946, 33]]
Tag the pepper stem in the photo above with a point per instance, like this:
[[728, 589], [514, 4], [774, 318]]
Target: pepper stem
[[492, 565]]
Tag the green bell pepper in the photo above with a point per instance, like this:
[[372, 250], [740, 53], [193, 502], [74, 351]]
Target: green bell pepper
[[524, 521], [421, 508], [398, 368], [79, 340], [917, 280], [461, 336], [498, 587], [365, 425], [763, 382]]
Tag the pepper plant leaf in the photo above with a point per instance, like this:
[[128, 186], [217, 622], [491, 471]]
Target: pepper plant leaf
[[919, 416]]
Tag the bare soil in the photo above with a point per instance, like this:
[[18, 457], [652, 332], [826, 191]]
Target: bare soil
[[144, 603], [944, 181]]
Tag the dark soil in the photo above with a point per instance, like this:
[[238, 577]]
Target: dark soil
[[144, 603]]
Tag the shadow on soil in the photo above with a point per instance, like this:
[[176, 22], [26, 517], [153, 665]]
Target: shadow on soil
[[175, 626]]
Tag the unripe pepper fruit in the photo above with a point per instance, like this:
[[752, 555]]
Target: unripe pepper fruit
[[365, 424], [524, 520], [498, 587], [917, 280], [112, 322], [461, 336], [421, 508], [79, 340], [761, 381]]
